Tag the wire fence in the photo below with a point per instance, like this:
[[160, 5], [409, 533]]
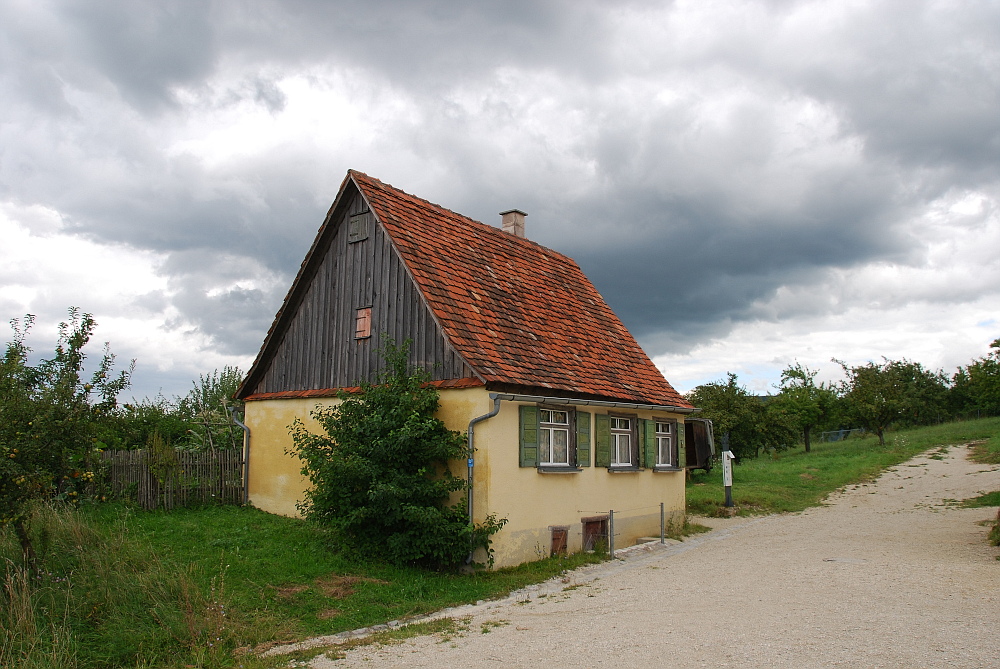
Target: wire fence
[[172, 478], [600, 525], [840, 435]]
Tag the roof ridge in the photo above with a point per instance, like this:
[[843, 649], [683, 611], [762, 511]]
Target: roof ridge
[[462, 217]]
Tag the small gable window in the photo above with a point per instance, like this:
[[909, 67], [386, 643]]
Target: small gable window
[[363, 323], [357, 228]]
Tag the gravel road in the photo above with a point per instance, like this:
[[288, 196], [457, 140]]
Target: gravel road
[[887, 574]]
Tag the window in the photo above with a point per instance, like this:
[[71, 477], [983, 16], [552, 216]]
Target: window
[[617, 442], [363, 323], [664, 444], [357, 228], [553, 437], [621, 442]]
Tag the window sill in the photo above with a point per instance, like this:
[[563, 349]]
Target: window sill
[[558, 469], [664, 468], [624, 470]]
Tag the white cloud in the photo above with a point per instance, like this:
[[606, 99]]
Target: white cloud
[[939, 308], [44, 271]]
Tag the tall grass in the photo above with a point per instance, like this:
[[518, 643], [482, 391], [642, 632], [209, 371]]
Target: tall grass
[[100, 597], [794, 480], [26, 639], [197, 587]]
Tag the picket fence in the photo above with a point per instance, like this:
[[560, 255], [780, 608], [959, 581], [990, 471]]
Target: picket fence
[[175, 478]]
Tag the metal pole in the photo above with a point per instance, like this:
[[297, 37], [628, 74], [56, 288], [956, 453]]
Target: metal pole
[[663, 526], [611, 533]]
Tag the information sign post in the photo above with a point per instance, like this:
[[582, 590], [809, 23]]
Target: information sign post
[[727, 476]]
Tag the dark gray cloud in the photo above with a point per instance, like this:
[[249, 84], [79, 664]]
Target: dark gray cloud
[[144, 49], [693, 160]]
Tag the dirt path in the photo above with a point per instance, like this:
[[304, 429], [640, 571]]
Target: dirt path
[[888, 574]]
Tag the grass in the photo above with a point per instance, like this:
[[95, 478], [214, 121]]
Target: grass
[[445, 628], [989, 499], [123, 588], [986, 451], [794, 480]]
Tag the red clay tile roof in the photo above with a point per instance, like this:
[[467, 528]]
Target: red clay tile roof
[[519, 313]]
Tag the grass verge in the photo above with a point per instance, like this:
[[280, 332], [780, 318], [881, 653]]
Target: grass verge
[[987, 451], [794, 480]]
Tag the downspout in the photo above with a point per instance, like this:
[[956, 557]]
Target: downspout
[[471, 454], [246, 454]]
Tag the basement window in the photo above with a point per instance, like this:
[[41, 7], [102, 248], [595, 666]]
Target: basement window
[[363, 323]]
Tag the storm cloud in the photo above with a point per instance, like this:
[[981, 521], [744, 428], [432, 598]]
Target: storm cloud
[[746, 182]]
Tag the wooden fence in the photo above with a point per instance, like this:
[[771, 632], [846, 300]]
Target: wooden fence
[[174, 478]]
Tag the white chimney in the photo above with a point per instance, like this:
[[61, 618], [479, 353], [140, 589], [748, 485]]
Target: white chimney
[[513, 222]]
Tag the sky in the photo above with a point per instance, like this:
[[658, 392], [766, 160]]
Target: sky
[[748, 184]]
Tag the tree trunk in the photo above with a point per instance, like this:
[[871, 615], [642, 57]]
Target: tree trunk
[[805, 433], [881, 437], [27, 547]]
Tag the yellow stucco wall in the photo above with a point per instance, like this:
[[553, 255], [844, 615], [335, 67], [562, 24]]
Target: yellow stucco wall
[[275, 483], [532, 502]]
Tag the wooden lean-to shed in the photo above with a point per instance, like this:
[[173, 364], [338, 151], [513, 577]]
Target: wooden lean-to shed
[[569, 418]]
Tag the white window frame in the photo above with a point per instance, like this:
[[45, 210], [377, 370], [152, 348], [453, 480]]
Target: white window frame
[[621, 438], [665, 443], [548, 428]]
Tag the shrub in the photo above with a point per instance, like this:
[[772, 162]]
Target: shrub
[[380, 472]]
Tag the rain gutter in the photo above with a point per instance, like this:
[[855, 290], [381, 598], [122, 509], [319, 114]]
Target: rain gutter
[[471, 455], [541, 399]]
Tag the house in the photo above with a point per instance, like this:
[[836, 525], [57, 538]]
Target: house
[[568, 417]]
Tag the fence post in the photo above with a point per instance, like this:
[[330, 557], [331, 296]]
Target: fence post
[[611, 533], [662, 525]]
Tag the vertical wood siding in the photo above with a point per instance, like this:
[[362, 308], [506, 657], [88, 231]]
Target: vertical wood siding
[[318, 348]]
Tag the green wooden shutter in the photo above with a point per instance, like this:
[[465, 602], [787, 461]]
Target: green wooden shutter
[[649, 443], [639, 451], [582, 439], [681, 448], [602, 450], [529, 437]]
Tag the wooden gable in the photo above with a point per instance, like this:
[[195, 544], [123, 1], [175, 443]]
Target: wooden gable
[[352, 277], [482, 307]]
